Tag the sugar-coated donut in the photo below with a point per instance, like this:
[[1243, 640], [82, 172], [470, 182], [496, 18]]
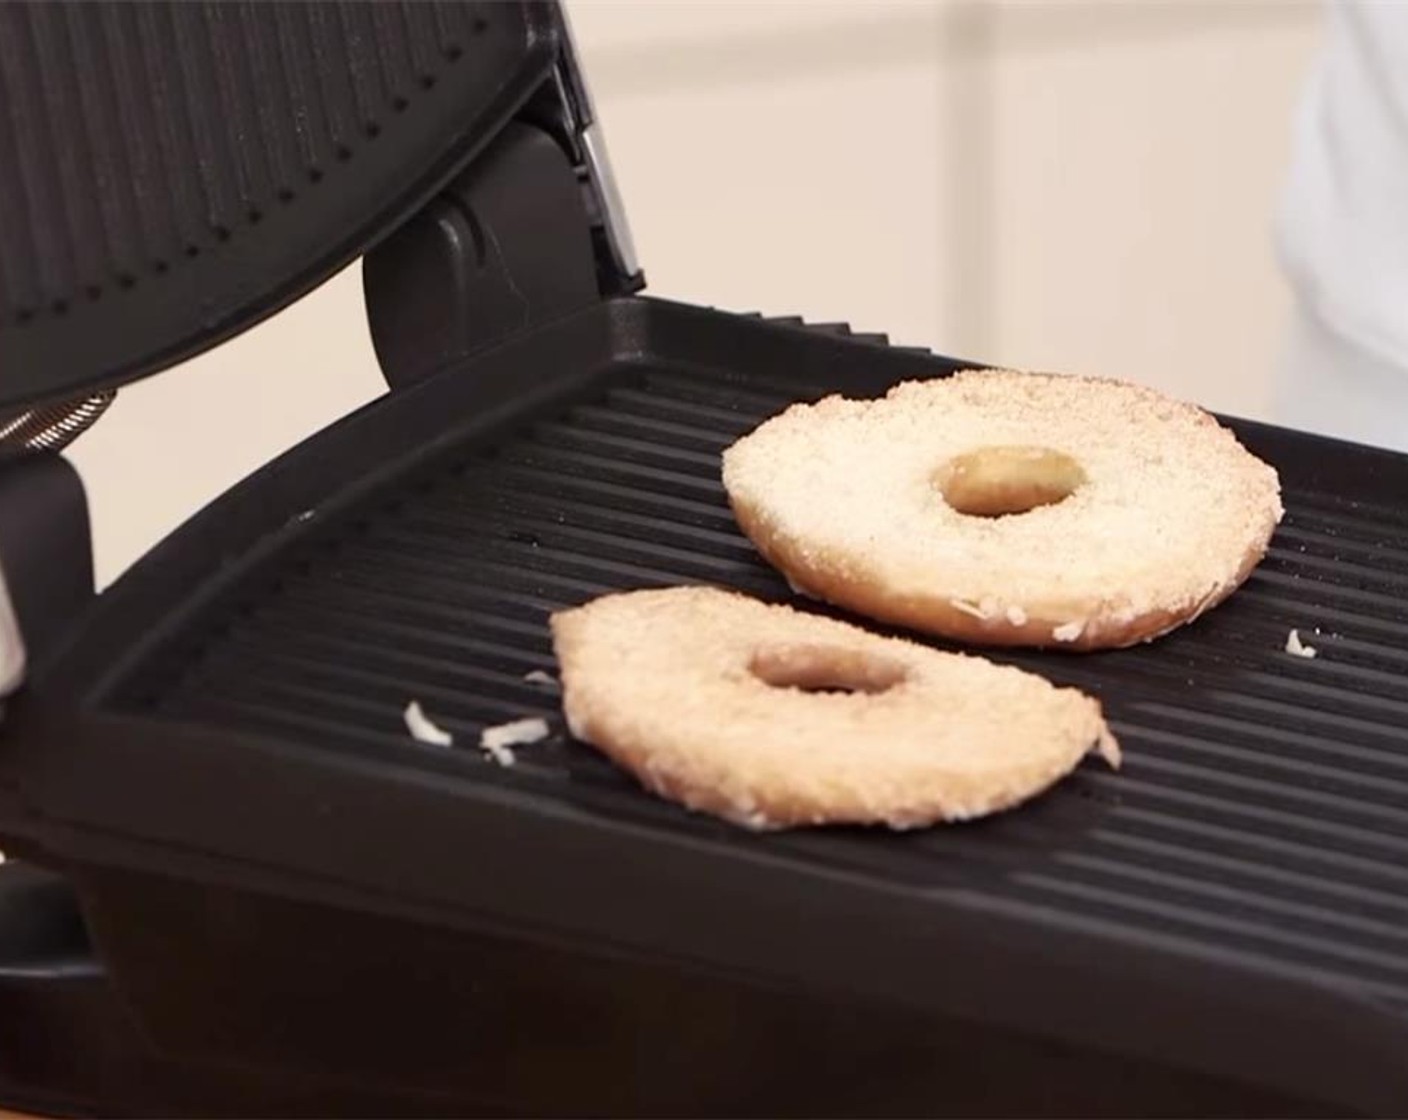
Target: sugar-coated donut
[[1005, 508], [770, 717]]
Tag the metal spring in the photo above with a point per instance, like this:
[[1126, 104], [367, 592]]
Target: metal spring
[[52, 427]]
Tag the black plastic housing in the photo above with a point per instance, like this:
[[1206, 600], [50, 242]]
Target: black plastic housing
[[277, 878]]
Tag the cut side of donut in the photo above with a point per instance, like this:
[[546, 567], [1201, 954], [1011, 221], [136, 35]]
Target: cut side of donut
[[771, 718], [1010, 509]]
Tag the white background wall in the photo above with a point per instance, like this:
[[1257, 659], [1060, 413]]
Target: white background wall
[[1084, 186]]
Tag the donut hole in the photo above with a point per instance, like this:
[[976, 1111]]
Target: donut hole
[[1000, 481], [825, 668]]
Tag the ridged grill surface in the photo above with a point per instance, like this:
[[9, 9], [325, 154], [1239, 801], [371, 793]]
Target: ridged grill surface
[[1262, 812], [135, 137]]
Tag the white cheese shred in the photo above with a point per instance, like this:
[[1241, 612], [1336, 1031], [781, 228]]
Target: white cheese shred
[[497, 741], [969, 608], [423, 729], [1297, 648], [1068, 631]]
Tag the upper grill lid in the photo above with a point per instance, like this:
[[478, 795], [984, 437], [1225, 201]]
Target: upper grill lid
[[170, 173]]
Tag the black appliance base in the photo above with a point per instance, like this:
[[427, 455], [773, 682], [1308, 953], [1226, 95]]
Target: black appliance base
[[278, 880]]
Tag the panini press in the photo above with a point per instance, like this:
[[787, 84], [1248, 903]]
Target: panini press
[[237, 885]]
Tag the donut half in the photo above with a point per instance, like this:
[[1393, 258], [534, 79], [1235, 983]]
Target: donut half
[[1007, 509], [770, 717]]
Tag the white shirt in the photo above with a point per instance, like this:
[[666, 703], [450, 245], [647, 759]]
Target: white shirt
[[1343, 225]]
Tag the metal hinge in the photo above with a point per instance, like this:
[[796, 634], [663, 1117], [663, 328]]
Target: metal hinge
[[25, 435], [584, 134], [13, 656], [52, 427]]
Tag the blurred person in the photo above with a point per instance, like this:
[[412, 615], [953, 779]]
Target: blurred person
[[1342, 233]]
